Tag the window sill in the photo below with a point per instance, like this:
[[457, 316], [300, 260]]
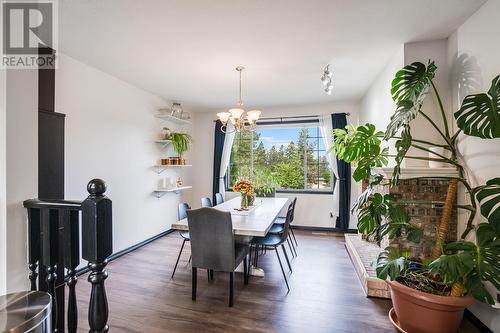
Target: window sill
[[294, 191], [304, 191]]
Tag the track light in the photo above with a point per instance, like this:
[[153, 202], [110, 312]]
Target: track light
[[327, 79]]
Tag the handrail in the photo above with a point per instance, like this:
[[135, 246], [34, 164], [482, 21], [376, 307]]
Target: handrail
[[55, 204], [54, 233]]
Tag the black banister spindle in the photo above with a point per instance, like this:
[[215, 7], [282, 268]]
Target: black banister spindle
[[97, 246], [33, 245], [71, 248], [50, 234]]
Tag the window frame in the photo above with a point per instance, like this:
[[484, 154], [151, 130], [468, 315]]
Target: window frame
[[284, 122]]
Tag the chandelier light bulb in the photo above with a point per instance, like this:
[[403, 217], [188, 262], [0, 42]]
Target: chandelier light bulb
[[236, 112], [224, 116]]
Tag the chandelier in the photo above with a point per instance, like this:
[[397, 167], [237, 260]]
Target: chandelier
[[236, 116]]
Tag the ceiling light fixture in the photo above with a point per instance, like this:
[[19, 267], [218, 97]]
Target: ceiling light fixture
[[237, 115], [327, 79]]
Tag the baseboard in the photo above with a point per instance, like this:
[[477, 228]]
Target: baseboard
[[476, 322], [128, 250], [311, 228]]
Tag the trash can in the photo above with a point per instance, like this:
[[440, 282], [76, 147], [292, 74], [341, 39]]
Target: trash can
[[26, 311]]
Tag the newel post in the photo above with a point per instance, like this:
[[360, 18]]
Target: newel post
[[97, 246]]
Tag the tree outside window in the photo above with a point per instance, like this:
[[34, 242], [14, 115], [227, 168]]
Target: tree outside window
[[294, 157]]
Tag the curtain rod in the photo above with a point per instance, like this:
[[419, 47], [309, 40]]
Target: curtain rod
[[294, 117]]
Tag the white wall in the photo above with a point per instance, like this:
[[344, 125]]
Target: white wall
[[474, 62], [3, 185], [110, 133], [377, 105], [436, 51], [312, 209], [22, 168]]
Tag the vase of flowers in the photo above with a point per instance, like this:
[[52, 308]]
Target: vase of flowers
[[245, 187]]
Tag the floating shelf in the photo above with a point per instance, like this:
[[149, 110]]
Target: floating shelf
[[175, 120], [164, 142], [160, 167], [161, 191]]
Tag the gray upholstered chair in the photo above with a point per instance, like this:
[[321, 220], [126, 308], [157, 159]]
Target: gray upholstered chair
[[213, 246], [206, 202], [219, 198]]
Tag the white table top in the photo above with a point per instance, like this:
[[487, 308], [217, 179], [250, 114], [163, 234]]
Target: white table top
[[256, 223]]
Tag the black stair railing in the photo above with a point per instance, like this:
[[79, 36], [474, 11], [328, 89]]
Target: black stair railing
[[54, 240]]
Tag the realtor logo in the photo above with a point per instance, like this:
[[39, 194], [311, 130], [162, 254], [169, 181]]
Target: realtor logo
[[29, 34]]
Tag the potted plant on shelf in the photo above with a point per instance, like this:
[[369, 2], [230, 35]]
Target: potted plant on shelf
[[181, 142], [429, 295]]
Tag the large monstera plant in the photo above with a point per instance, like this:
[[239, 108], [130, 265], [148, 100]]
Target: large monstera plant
[[460, 267]]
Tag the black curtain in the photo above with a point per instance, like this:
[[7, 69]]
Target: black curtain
[[339, 120], [219, 137]]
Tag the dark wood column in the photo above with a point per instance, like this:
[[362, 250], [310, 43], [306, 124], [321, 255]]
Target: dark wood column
[[51, 174]]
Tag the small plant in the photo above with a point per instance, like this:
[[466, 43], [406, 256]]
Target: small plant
[[265, 182], [180, 142]]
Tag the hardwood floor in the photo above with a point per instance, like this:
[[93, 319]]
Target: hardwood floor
[[326, 295]]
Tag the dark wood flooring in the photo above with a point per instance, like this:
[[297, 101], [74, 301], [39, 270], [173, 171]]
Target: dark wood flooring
[[326, 295]]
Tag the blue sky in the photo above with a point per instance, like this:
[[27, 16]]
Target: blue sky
[[278, 136]]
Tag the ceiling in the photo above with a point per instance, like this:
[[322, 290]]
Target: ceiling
[[187, 50]]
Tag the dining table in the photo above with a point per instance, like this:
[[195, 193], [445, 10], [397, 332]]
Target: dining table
[[255, 221]]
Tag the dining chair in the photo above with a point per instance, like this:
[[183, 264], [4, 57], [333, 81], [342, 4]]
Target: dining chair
[[206, 202], [276, 240], [278, 227], [182, 214], [213, 246], [218, 198]]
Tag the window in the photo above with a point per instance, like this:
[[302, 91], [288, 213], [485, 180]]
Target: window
[[293, 156]]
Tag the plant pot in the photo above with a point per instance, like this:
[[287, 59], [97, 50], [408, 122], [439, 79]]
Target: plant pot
[[182, 161], [420, 312]]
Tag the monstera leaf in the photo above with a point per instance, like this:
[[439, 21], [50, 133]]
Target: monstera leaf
[[406, 111], [409, 88], [370, 216], [402, 146], [363, 198], [356, 143], [489, 200], [397, 222], [480, 114], [376, 158], [473, 263], [411, 81], [390, 262]]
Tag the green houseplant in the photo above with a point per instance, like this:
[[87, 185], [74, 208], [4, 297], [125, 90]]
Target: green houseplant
[[433, 288], [181, 142], [265, 183]]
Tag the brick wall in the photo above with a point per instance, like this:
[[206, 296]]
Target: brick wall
[[426, 217]]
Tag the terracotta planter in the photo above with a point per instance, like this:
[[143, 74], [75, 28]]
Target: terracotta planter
[[420, 312]]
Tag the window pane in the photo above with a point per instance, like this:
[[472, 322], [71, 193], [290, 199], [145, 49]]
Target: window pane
[[288, 157]]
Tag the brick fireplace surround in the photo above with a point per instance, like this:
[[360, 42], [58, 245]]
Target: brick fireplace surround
[[425, 216]]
